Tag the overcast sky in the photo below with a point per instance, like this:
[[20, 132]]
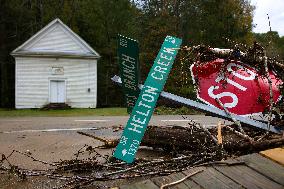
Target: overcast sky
[[275, 9]]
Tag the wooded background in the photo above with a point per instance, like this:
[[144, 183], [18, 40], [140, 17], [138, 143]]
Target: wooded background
[[98, 22]]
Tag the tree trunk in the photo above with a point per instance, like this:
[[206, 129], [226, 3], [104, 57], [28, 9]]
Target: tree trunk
[[191, 138]]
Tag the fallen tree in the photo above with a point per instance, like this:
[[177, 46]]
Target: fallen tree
[[194, 138]]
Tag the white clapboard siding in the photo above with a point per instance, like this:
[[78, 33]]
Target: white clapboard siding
[[57, 40], [33, 77]]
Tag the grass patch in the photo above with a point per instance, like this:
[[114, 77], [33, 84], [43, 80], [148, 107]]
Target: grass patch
[[77, 112], [63, 113], [163, 110]]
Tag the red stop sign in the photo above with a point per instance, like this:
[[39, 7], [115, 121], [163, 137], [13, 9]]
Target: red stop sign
[[239, 87]]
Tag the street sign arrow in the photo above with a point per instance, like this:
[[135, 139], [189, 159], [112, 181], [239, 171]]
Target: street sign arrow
[[124, 151]]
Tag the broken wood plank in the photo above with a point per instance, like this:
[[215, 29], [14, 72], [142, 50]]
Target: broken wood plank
[[219, 131], [146, 184], [226, 180], [255, 172], [276, 154], [212, 179], [265, 166], [247, 177]]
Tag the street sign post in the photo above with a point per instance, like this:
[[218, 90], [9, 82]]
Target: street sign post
[[239, 87], [128, 56], [211, 110], [144, 106]]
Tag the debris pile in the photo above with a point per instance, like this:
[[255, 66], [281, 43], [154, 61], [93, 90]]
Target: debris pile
[[186, 147], [255, 57]]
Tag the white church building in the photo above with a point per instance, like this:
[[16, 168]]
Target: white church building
[[55, 66]]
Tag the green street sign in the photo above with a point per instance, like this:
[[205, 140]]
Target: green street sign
[[144, 106], [128, 54]]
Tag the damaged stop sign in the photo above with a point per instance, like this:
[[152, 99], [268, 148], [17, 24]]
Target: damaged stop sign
[[240, 88]]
